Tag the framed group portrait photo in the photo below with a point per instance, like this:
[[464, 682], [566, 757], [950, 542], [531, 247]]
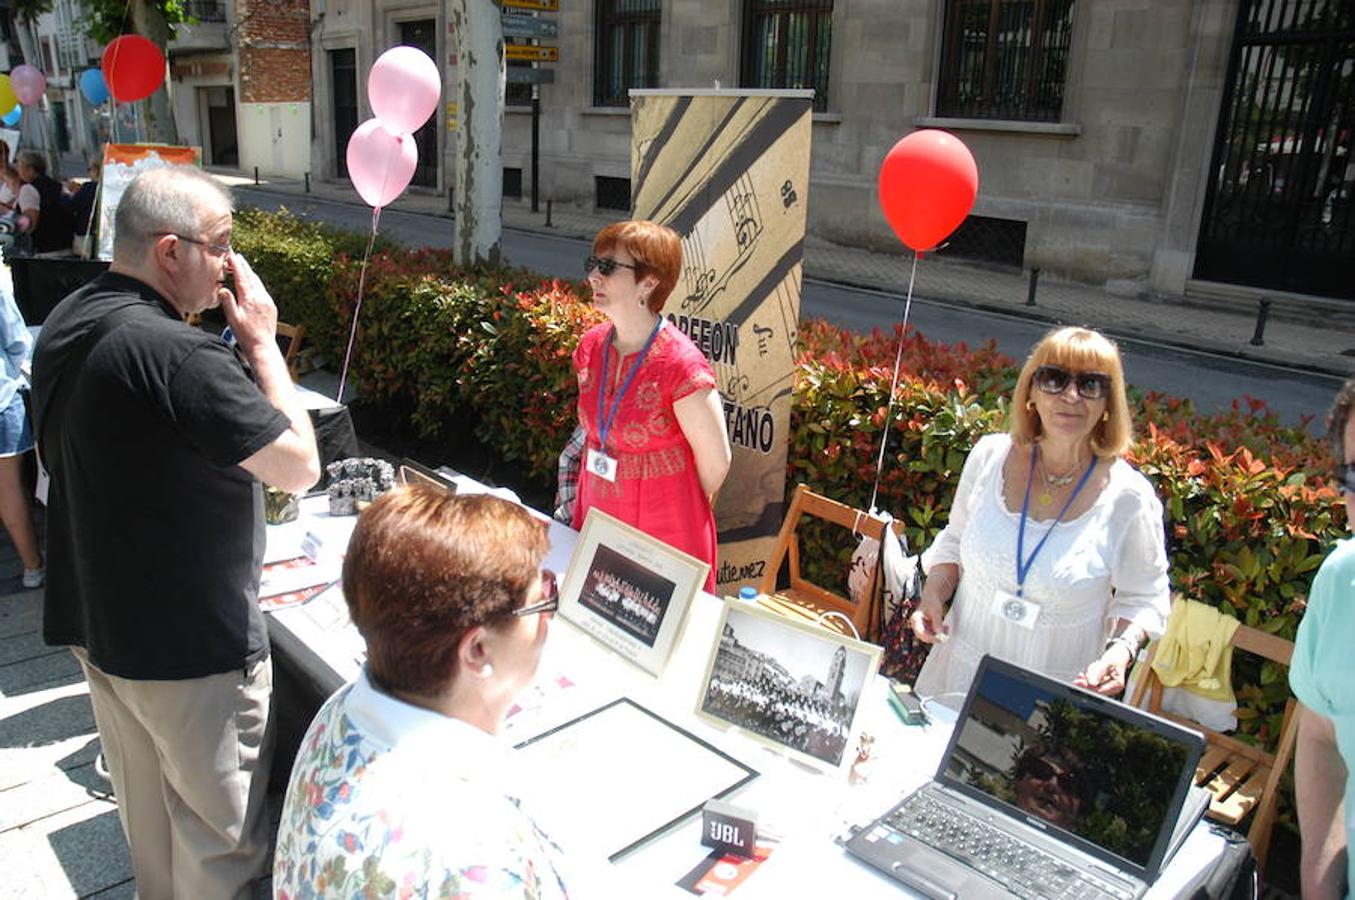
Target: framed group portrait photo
[[629, 591]]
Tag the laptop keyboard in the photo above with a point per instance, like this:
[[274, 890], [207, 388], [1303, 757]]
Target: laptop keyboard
[[1020, 867]]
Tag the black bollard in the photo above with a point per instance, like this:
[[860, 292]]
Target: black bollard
[[256, 174], [1034, 280], [1258, 336], [548, 205], [308, 182]]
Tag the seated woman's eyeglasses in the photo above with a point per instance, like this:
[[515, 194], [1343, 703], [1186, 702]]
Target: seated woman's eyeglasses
[[1055, 380], [550, 597], [604, 264]]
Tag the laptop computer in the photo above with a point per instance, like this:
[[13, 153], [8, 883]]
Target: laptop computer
[[1045, 790]]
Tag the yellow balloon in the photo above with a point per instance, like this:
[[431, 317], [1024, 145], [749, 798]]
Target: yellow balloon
[[7, 99]]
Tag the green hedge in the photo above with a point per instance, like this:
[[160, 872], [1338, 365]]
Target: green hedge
[[1250, 515]]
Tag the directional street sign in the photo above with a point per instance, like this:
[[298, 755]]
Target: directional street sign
[[529, 27], [538, 5], [524, 75], [530, 53]]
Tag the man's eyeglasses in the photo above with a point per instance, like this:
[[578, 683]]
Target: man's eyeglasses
[[1345, 478], [550, 597], [218, 249], [1055, 380], [604, 264]]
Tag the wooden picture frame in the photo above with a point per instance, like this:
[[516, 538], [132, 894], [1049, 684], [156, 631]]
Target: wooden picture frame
[[629, 591]]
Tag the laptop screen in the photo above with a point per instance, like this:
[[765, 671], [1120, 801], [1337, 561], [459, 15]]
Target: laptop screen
[[1094, 768]]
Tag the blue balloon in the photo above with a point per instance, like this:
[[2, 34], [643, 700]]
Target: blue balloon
[[12, 117], [92, 85]]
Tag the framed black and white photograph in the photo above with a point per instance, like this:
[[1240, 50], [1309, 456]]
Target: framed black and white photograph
[[629, 591], [793, 686]]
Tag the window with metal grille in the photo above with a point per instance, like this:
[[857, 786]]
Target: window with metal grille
[[514, 93], [207, 10], [512, 183], [611, 193], [627, 49], [786, 44], [1004, 59]]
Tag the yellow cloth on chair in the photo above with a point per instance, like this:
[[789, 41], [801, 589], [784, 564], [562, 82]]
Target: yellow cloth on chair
[[1194, 653]]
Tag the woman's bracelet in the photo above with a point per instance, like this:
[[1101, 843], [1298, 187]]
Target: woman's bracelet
[[1130, 645]]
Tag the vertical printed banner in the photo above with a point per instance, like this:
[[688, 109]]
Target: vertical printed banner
[[729, 172]]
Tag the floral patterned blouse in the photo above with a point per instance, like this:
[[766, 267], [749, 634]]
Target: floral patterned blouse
[[390, 800]]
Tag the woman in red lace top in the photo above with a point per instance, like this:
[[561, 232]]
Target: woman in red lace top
[[656, 448]]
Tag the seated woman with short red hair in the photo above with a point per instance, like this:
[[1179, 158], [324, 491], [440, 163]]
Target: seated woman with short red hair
[[400, 785]]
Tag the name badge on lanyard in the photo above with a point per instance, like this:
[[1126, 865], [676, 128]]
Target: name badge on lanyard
[[598, 461], [1016, 610], [601, 465]]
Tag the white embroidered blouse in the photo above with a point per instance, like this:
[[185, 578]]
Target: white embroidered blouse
[[1108, 563]]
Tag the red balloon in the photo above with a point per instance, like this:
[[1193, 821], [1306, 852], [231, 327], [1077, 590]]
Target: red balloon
[[927, 184], [133, 67]]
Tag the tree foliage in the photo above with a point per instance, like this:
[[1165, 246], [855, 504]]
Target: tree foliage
[[110, 18], [29, 10]]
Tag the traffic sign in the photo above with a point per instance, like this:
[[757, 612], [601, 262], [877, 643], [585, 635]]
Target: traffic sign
[[524, 75], [538, 5], [529, 27], [530, 53]]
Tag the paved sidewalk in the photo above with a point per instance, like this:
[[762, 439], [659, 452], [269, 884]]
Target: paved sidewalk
[[1316, 339]]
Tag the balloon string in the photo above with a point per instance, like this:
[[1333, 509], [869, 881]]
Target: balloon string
[[893, 387], [357, 308]]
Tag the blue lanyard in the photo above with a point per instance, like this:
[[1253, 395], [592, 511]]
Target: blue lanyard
[[1024, 563], [605, 423]]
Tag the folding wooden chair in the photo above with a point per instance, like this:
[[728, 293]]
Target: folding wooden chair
[[289, 342], [805, 600], [1241, 778]]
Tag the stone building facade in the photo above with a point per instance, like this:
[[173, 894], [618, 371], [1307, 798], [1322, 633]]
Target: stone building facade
[[1095, 123]]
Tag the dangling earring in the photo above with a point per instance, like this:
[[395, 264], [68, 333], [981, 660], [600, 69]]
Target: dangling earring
[[1105, 415]]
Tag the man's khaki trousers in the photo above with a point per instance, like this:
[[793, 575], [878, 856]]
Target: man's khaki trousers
[[189, 761]]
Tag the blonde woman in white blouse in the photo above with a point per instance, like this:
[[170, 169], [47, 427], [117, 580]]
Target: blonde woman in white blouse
[[1054, 555]]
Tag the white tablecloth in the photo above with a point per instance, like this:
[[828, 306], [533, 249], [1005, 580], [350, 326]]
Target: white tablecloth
[[806, 809]]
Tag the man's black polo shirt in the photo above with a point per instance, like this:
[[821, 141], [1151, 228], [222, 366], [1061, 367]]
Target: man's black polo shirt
[[154, 533]]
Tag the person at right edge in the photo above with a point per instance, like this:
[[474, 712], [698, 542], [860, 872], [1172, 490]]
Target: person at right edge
[[1322, 677], [1055, 550], [156, 440]]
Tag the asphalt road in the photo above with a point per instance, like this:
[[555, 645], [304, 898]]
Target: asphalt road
[[1211, 381]]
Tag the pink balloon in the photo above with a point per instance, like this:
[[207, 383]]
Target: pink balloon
[[380, 164], [403, 88], [28, 83]]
